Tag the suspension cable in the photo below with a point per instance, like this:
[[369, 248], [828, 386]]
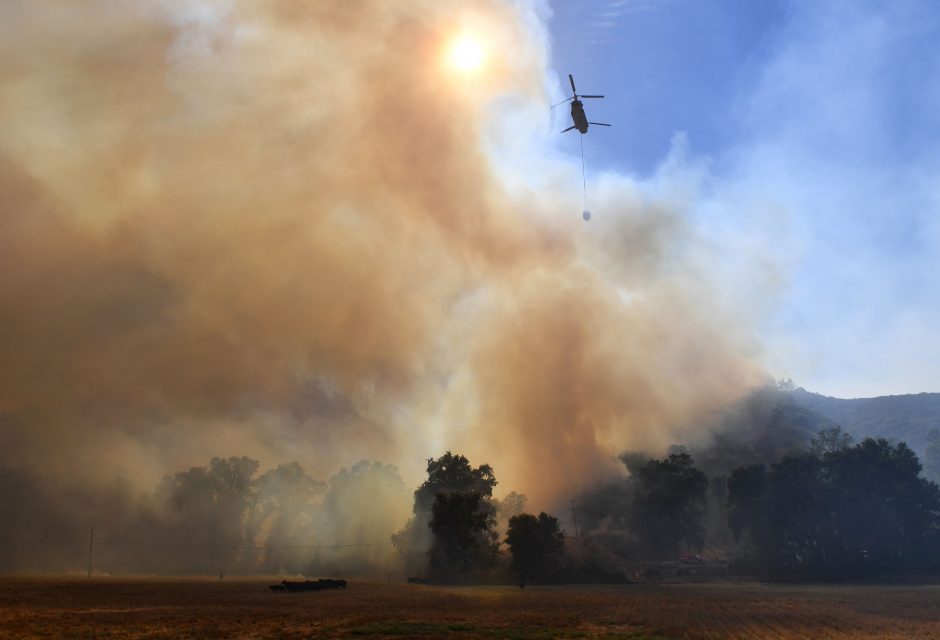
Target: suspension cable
[[583, 174]]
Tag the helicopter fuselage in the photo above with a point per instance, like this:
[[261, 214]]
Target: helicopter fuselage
[[577, 115]]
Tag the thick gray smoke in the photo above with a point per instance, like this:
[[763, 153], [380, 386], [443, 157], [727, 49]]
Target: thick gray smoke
[[288, 230]]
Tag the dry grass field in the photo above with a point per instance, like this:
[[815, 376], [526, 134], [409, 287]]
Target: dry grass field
[[232, 608]]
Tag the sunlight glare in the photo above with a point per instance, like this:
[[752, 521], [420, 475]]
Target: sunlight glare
[[466, 54]]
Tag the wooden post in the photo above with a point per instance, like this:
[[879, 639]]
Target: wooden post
[[91, 548]]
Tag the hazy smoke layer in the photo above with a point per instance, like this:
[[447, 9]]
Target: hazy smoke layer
[[286, 230]]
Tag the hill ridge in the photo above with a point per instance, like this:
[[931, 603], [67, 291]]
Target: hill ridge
[[903, 417]]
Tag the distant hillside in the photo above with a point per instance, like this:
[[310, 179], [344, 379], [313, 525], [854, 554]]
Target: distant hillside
[[763, 426], [906, 418]]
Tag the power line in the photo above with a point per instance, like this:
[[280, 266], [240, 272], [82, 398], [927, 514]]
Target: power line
[[99, 544], [243, 547]]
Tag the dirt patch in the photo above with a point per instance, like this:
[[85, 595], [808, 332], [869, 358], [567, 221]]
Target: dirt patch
[[163, 608]]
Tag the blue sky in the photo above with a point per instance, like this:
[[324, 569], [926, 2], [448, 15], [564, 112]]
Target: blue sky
[[819, 125]]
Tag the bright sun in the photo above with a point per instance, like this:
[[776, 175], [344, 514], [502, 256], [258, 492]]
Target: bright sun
[[466, 54]]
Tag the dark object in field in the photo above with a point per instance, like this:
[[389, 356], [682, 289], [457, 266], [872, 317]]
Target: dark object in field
[[309, 585], [414, 580]]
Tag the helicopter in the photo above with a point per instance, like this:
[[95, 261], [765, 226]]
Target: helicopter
[[577, 110]]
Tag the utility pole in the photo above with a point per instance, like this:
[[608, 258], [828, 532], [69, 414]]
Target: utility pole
[[91, 548], [574, 517]]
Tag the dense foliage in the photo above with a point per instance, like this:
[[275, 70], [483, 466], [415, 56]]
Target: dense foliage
[[852, 512], [455, 504], [793, 499], [453, 474], [464, 541], [932, 456], [669, 506], [537, 545]]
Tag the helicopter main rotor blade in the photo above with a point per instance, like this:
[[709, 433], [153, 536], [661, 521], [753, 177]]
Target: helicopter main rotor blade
[[562, 102], [603, 124], [571, 80], [568, 129], [590, 96]]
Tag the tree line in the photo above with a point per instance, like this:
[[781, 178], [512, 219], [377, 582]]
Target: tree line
[[224, 517], [836, 511]]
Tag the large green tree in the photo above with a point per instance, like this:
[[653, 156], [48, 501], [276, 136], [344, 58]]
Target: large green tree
[[453, 473], [884, 515], [463, 535], [417, 543], [669, 506], [537, 545]]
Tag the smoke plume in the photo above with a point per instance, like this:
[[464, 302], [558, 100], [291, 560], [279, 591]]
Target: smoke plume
[[287, 230]]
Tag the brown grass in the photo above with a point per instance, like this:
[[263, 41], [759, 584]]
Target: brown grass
[[165, 608]]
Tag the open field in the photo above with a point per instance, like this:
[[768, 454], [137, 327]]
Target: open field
[[230, 608]]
